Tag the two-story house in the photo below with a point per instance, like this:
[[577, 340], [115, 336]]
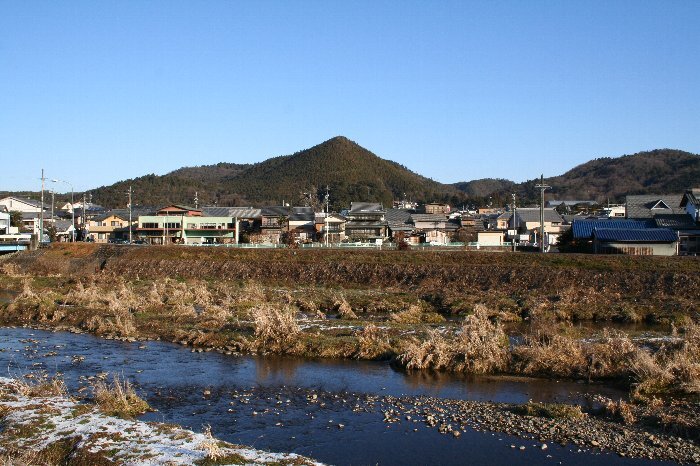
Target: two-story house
[[330, 227], [108, 226], [366, 222], [526, 221]]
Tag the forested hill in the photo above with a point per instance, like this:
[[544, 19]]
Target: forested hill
[[177, 187], [350, 171], [355, 174], [653, 172]]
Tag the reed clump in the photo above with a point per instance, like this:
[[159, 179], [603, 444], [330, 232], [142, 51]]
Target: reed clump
[[412, 315], [275, 327], [372, 343], [118, 398], [40, 387], [479, 347], [344, 309]]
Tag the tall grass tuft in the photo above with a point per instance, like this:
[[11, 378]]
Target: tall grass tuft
[[481, 346], [372, 343], [275, 328], [118, 398]]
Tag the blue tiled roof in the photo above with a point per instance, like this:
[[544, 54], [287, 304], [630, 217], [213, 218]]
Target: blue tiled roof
[[583, 229], [646, 235]]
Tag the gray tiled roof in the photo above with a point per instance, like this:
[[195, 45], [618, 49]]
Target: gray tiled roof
[[558, 202], [302, 214], [366, 207], [533, 215], [61, 225], [397, 215], [675, 221], [428, 217], [31, 202], [240, 212], [275, 211], [646, 206], [692, 196]]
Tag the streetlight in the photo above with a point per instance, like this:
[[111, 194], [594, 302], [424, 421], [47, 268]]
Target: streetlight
[[72, 207]]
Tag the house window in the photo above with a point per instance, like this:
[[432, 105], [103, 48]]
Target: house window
[[172, 225], [114, 223], [150, 225]]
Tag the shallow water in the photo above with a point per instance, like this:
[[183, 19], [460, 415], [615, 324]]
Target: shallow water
[[264, 401]]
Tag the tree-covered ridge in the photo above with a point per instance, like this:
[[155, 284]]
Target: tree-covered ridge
[[355, 174], [605, 179]]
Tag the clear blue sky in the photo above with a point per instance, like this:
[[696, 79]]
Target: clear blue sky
[[96, 91]]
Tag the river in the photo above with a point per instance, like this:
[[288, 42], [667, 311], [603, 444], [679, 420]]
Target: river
[[316, 408]]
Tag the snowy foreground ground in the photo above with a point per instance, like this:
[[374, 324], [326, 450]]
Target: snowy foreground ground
[[44, 429]]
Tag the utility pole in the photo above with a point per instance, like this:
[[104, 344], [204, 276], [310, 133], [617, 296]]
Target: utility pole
[[542, 187], [196, 200], [41, 214], [513, 217], [129, 194], [84, 216], [325, 219], [53, 202]]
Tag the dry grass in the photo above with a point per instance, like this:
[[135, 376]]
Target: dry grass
[[550, 410], [275, 327], [372, 343], [674, 369], [480, 347], [344, 309], [621, 410], [11, 270], [42, 387], [434, 352], [118, 398], [210, 445], [548, 350], [412, 315]]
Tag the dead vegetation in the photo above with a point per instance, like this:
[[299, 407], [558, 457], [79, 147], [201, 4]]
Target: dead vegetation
[[41, 386], [373, 343], [118, 398], [275, 327], [479, 347]]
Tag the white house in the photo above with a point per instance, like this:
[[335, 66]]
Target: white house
[[21, 205]]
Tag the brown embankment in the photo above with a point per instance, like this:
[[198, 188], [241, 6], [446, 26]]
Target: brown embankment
[[668, 285]]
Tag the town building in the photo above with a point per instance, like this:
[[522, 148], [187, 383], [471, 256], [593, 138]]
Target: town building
[[640, 242], [366, 222], [24, 205]]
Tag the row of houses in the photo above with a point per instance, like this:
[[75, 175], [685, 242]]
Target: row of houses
[[664, 224]]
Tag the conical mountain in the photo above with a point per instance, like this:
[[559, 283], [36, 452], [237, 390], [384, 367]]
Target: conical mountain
[[350, 171]]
